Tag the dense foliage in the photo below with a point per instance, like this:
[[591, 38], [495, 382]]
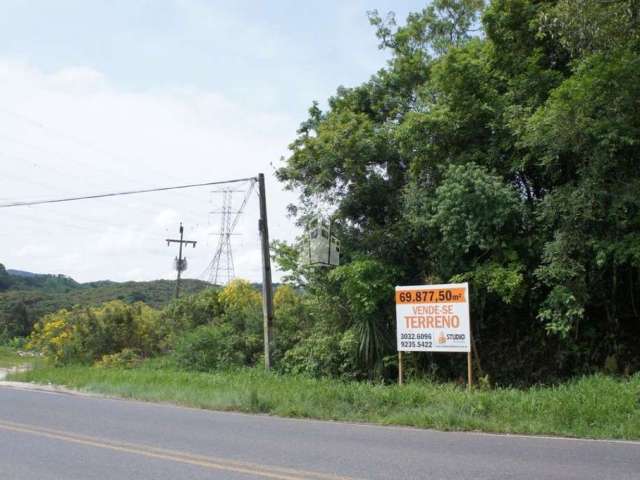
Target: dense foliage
[[85, 334], [215, 328], [500, 146]]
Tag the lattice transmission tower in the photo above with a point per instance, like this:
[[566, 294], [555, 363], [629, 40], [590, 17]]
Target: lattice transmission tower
[[221, 269]]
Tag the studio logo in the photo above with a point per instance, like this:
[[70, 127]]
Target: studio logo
[[456, 337], [442, 338]]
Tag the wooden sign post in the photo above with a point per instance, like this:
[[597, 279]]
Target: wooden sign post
[[469, 371]]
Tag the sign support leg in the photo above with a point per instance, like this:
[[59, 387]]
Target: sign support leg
[[469, 371], [400, 367]]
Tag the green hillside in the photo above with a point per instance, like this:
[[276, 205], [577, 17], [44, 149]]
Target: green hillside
[[25, 297]]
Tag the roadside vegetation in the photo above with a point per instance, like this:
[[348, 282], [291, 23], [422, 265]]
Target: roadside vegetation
[[13, 358], [9, 358], [590, 407], [205, 351]]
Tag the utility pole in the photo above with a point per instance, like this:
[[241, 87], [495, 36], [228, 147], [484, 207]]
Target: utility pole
[[267, 285], [181, 264]]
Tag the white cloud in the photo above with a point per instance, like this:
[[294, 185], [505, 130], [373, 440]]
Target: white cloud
[[72, 132], [73, 78], [121, 241], [32, 249], [167, 217]]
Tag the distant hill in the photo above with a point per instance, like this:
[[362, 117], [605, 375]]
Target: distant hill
[[21, 273], [29, 296], [68, 292]]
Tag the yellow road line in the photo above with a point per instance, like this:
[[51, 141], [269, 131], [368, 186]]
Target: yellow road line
[[278, 473]]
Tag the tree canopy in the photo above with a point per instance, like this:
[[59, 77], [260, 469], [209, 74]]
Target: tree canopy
[[499, 145]]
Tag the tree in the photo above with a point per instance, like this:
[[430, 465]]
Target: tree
[[363, 289], [5, 279], [585, 27], [506, 158], [587, 134]]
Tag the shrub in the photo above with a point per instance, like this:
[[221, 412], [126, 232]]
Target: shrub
[[15, 320], [53, 337], [17, 343], [87, 334], [191, 311], [127, 358], [324, 355], [293, 320], [209, 347], [242, 308]]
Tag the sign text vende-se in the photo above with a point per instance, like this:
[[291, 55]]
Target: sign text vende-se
[[433, 318]]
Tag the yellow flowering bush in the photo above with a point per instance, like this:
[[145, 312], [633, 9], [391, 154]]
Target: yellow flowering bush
[[88, 334], [53, 336]]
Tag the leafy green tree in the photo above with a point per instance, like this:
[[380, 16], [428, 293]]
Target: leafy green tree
[[5, 279], [19, 322], [587, 136], [190, 311], [292, 320], [584, 27], [505, 158], [362, 289]]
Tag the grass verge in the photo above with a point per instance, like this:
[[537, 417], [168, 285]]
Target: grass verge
[[590, 407], [10, 358]]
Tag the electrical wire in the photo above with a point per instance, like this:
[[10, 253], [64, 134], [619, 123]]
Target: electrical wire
[[117, 194], [56, 188]]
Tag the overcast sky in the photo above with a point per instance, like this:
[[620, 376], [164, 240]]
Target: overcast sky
[[101, 96]]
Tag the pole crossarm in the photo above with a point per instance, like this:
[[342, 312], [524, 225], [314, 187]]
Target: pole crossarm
[[191, 242]]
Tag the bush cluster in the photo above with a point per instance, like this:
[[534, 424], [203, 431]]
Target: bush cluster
[[209, 347], [215, 329], [87, 334]]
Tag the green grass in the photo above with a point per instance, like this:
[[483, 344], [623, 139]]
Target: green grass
[[9, 358], [590, 407]]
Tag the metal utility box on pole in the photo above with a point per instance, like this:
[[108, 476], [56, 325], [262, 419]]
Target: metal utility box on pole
[[267, 285]]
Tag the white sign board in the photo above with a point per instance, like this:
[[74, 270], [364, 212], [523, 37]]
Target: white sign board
[[433, 318]]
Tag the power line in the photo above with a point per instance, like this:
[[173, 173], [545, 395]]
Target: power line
[[56, 189], [117, 194]]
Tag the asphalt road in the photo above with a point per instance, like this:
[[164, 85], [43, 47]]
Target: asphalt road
[[47, 436]]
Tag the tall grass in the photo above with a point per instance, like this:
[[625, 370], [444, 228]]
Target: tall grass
[[9, 358], [596, 406]]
